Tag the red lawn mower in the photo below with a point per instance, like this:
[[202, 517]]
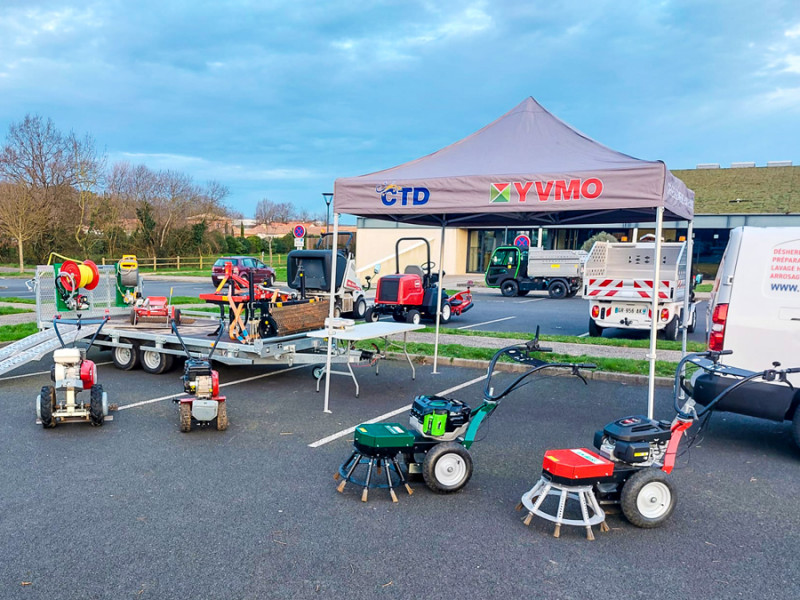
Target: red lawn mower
[[632, 465], [412, 295]]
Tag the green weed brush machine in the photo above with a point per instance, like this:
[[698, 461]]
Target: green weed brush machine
[[440, 433]]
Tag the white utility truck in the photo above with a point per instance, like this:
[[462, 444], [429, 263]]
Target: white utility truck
[[755, 313], [618, 282]]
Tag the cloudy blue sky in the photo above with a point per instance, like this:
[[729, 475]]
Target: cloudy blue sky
[[277, 99]]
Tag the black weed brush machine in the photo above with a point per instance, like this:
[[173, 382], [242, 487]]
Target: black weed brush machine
[[441, 431], [633, 460]]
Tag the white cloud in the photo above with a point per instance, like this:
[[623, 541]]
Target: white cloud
[[793, 32]]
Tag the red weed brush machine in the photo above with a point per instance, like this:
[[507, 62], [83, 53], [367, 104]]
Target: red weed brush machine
[[633, 462]]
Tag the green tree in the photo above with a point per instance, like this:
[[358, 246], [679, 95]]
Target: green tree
[[598, 237]]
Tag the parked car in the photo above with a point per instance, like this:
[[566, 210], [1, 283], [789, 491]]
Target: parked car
[[241, 266]]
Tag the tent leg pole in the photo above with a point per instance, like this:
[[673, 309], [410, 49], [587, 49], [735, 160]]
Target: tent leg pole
[[438, 304], [689, 285], [330, 310], [651, 381]]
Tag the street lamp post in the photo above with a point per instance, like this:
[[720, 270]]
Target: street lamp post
[[328, 197]]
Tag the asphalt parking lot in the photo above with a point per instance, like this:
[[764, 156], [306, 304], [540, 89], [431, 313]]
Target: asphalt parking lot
[[136, 509]]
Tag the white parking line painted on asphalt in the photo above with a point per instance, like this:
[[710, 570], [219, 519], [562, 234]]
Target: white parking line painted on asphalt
[[222, 385], [43, 372], [531, 300], [486, 323], [383, 417], [584, 334]]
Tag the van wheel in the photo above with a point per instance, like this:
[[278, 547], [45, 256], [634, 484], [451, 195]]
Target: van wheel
[[692, 322], [594, 329], [671, 330]]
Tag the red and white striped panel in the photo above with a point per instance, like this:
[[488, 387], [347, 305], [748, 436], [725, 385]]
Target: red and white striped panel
[[643, 288]]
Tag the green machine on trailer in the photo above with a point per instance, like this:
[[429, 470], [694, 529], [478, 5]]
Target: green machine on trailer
[[441, 431]]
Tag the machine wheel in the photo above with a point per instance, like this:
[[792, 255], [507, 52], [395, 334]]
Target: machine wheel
[[447, 312], [134, 317], [413, 316], [671, 330], [177, 316], [509, 288], [795, 425], [360, 309], [648, 498], [96, 405], [47, 404], [557, 290], [399, 316], [186, 416], [523, 292], [318, 372], [594, 329], [447, 467], [337, 311], [222, 416], [125, 358], [371, 316], [155, 362], [267, 327]]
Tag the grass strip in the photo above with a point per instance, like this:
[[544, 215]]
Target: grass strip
[[572, 339], [16, 300], [10, 310], [12, 333], [610, 365]]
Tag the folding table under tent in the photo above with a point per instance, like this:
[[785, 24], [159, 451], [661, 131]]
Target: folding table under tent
[[526, 169]]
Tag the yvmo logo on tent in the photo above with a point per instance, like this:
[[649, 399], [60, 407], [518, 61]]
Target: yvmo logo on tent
[[556, 190], [392, 193]]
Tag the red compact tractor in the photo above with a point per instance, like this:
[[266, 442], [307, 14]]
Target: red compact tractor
[[412, 295]]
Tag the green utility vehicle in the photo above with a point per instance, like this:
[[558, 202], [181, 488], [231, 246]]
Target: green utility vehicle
[[517, 271]]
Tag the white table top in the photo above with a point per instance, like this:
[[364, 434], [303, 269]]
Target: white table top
[[365, 331]]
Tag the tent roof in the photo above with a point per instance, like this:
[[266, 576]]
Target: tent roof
[[527, 167]]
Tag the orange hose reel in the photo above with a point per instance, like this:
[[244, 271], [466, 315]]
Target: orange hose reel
[[84, 275]]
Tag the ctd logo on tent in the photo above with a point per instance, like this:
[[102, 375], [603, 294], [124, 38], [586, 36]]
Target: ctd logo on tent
[[543, 191], [391, 193]]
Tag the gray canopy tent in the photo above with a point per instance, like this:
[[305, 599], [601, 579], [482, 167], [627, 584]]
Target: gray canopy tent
[[527, 168]]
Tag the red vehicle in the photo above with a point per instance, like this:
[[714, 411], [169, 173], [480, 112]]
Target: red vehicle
[[241, 266]]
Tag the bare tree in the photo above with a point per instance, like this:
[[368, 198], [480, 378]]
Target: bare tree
[[265, 215], [86, 169], [20, 216]]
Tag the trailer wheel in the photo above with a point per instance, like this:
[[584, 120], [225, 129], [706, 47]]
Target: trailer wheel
[[648, 498], [557, 289], [155, 362], [47, 404], [795, 425], [96, 405], [413, 316], [594, 329], [371, 316], [186, 416], [125, 358], [222, 416], [671, 330], [447, 312], [360, 308], [509, 288], [447, 467]]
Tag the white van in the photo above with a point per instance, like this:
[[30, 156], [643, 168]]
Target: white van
[[755, 312]]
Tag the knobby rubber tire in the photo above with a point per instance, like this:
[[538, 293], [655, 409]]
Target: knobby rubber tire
[[47, 404], [186, 417], [96, 415], [222, 416]]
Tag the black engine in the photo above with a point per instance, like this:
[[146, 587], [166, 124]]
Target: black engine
[[634, 440]]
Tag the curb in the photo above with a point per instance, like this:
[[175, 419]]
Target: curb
[[623, 378]]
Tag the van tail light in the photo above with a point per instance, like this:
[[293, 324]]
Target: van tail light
[[716, 339], [649, 313], [595, 311], [664, 314]]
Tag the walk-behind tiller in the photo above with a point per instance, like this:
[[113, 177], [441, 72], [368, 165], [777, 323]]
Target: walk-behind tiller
[[204, 405], [632, 468], [440, 434], [73, 373]]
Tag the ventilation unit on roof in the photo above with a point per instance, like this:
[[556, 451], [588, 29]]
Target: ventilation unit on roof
[[779, 163], [708, 166], [742, 165]]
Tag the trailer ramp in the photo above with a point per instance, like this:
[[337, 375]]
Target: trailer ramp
[[35, 346]]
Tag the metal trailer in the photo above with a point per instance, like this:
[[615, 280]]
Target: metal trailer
[[618, 282], [154, 345]]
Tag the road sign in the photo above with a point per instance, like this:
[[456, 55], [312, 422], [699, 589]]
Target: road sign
[[299, 231], [522, 241], [299, 242]]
